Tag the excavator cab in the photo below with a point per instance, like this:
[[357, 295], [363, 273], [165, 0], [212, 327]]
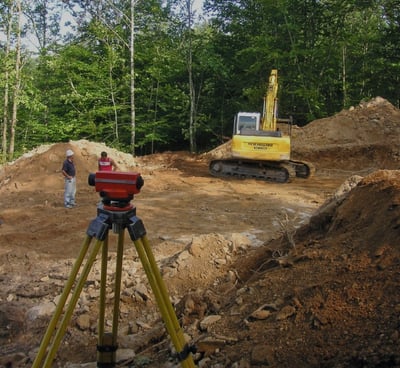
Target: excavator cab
[[249, 123], [246, 121]]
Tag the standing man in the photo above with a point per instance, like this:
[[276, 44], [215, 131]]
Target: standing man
[[106, 163], [69, 172]]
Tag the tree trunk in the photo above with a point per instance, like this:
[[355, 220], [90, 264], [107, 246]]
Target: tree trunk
[[192, 91], [4, 142], [17, 85], [112, 94], [132, 73], [344, 84]]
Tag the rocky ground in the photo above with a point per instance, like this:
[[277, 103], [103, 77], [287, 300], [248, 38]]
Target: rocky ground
[[304, 274]]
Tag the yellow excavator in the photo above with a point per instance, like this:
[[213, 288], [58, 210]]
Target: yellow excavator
[[259, 149]]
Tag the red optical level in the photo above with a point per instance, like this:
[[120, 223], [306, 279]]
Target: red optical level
[[115, 185]]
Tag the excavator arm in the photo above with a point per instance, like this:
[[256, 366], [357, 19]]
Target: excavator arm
[[268, 120]]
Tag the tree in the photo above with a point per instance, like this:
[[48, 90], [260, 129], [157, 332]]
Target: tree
[[387, 51], [17, 83], [148, 75], [326, 51], [186, 12], [188, 16], [7, 15], [44, 18], [132, 77], [12, 75]]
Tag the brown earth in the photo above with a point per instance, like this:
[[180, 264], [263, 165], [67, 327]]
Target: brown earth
[[304, 274]]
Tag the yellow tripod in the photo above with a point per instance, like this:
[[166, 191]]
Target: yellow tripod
[[118, 219]]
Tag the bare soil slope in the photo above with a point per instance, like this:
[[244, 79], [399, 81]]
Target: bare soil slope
[[304, 274]]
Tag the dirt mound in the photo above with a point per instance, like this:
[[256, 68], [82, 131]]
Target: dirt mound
[[302, 274], [369, 123], [328, 298], [372, 210], [363, 137], [40, 169]]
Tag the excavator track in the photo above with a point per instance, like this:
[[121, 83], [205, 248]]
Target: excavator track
[[270, 171], [261, 170], [303, 169]]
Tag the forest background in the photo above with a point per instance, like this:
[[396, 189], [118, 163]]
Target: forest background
[[145, 76]]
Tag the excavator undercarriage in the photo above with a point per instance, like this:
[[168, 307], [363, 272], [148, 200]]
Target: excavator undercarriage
[[271, 171]]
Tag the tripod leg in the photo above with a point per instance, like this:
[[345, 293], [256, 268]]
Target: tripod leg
[[102, 303], [160, 283], [60, 306], [71, 305], [107, 342], [183, 349], [160, 292], [118, 278], [137, 233]]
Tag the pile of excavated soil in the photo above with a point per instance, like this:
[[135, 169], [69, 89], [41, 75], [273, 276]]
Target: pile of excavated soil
[[362, 138], [324, 296], [304, 274]]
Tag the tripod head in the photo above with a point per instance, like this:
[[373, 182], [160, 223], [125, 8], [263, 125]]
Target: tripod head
[[116, 188]]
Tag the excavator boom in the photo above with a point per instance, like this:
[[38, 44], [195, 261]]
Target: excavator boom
[[270, 109]]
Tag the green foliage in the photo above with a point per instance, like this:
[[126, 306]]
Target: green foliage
[[330, 55]]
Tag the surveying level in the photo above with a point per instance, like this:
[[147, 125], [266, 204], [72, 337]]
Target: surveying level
[[116, 212]]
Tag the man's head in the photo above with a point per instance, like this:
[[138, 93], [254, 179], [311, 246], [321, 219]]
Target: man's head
[[104, 154], [69, 153]]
